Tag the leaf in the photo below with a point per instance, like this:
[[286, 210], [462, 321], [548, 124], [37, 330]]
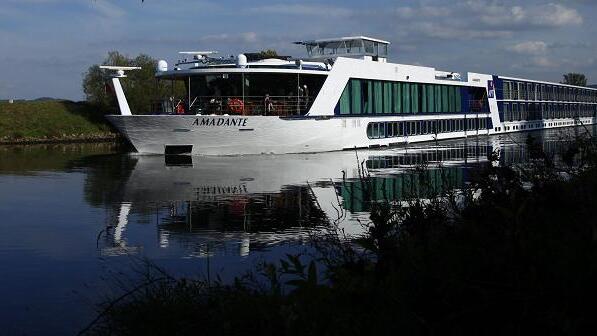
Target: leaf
[[299, 268], [285, 265], [295, 283], [312, 278]]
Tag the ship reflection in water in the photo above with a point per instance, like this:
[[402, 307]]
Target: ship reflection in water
[[74, 214], [231, 206]]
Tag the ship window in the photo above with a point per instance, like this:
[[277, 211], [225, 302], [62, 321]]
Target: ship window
[[368, 97], [406, 98], [345, 100], [507, 89], [507, 112], [387, 97], [356, 93], [378, 97], [383, 97], [438, 98], [416, 98], [375, 133], [445, 102], [209, 93], [369, 48], [396, 90], [430, 98]]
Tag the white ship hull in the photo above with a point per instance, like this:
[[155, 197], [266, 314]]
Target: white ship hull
[[261, 134], [273, 135]]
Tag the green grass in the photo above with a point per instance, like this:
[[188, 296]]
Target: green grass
[[52, 121]]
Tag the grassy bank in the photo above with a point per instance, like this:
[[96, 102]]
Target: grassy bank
[[52, 121]]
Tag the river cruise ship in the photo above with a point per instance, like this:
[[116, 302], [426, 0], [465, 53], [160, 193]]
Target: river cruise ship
[[343, 95]]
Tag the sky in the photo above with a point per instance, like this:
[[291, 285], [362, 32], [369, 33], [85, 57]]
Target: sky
[[47, 45]]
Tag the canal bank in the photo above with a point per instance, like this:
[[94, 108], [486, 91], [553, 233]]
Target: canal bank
[[53, 121]]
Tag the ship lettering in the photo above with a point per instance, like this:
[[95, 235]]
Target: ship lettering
[[220, 122]]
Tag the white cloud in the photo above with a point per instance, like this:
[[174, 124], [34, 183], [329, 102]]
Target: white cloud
[[300, 9], [441, 31], [544, 15], [544, 62], [529, 47], [246, 37], [555, 15], [107, 9]]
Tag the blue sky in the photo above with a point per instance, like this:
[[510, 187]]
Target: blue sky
[[46, 45]]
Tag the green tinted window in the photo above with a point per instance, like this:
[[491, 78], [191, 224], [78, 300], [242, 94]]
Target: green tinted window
[[424, 99], [356, 93], [430, 98], [397, 97], [345, 100], [414, 98], [451, 99], [406, 98], [368, 106], [362, 96], [438, 98], [378, 97], [445, 102], [387, 97]]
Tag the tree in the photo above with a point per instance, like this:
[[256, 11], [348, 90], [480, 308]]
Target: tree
[[268, 53], [140, 86], [577, 79]]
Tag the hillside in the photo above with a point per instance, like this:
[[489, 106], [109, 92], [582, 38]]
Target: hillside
[[52, 121]]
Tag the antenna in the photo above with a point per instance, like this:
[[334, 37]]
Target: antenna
[[198, 55], [209, 52], [120, 97], [119, 70]]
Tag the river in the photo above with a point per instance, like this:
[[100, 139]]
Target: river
[[76, 219]]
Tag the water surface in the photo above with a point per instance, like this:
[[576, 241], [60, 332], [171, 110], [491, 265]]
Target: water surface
[[75, 217]]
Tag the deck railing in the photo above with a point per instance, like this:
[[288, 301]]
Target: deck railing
[[234, 105]]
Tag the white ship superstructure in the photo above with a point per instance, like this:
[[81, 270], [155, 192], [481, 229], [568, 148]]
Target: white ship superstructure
[[343, 95]]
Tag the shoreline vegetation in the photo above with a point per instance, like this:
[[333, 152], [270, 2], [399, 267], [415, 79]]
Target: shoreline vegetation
[[53, 121], [510, 253]]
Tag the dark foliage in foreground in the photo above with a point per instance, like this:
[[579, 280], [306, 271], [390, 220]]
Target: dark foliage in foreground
[[513, 253]]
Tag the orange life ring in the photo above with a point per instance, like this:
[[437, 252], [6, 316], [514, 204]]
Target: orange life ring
[[236, 105]]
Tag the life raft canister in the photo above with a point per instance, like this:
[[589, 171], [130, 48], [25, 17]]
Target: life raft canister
[[236, 105]]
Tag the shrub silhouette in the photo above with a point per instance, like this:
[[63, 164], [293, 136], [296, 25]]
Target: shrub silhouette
[[512, 252]]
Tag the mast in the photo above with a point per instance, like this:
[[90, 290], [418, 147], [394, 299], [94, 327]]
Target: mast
[[119, 73]]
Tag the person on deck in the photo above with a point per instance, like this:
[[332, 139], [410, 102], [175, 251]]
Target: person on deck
[[269, 105]]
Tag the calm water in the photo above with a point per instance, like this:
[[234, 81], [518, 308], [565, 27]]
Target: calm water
[[75, 217]]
